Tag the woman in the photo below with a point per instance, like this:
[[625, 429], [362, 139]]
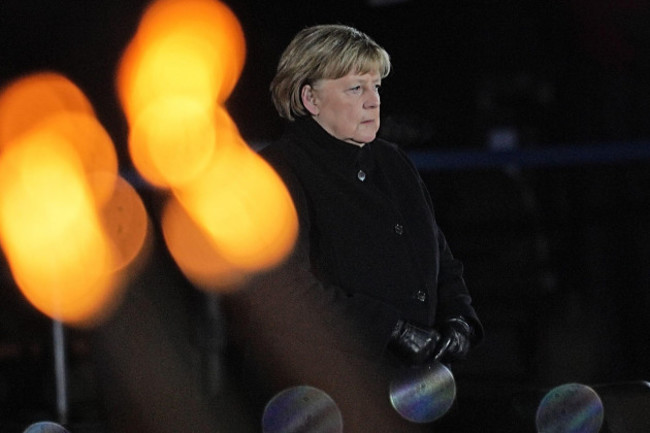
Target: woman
[[372, 285]]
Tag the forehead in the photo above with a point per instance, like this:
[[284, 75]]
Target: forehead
[[354, 77], [363, 76]]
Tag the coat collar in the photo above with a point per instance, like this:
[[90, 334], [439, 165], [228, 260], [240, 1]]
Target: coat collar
[[324, 146]]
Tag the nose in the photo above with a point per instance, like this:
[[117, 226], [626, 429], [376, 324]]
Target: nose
[[373, 100]]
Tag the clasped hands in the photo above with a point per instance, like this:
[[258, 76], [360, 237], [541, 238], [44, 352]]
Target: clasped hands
[[417, 345]]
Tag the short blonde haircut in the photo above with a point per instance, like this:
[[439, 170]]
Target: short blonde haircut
[[323, 52]]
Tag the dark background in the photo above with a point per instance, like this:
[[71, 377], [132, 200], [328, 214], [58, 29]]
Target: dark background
[[541, 110]]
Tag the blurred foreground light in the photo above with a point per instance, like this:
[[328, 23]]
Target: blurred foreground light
[[425, 394], [53, 240], [570, 408], [92, 145], [124, 220], [229, 214], [183, 62], [33, 98], [45, 427], [195, 253], [62, 205], [244, 207], [172, 141], [50, 101], [244, 212], [302, 409], [192, 48]]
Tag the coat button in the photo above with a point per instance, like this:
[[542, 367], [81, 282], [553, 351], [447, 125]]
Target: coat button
[[421, 295], [399, 229], [361, 175]]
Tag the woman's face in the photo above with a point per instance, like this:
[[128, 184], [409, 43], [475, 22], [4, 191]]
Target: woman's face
[[347, 107]]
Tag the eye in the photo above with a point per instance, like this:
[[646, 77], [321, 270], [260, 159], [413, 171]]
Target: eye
[[355, 89], [378, 88]]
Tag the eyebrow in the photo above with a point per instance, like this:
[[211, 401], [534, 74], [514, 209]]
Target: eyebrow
[[364, 80]]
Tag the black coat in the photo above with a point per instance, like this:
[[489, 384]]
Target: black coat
[[369, 253]]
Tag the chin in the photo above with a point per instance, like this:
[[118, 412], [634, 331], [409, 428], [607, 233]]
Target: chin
[[368, 135], [367, 138]]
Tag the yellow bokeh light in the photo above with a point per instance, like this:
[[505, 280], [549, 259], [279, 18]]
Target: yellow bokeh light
[[124, 221], [229, 214], [244, 207], [197, 256], [33, 98], [172, 141], [223, 45], [192, 48], [53, 241], [178, 66], [92, 145], [49, 101], [64, 210]]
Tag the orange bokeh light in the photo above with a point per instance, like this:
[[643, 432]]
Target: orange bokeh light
[[244, 207], [172, 141], [184, 48], [33, 98], [62, 204], [48, 227], [197, 256], [92, 145], [239, 206], [229, 214], [183, 62], [124, 220], [50, 101]]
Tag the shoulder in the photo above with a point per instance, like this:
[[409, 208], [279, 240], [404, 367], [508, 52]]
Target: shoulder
[[391, 148], [392, 153], [279, 155], [387, 145]]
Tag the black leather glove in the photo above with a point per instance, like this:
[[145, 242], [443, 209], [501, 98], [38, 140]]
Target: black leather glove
[[456, 340], [413, 343]]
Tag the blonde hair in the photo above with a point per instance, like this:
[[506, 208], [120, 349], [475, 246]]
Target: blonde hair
[[323, 52]]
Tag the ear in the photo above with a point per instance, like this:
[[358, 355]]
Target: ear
[[309, 99]]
